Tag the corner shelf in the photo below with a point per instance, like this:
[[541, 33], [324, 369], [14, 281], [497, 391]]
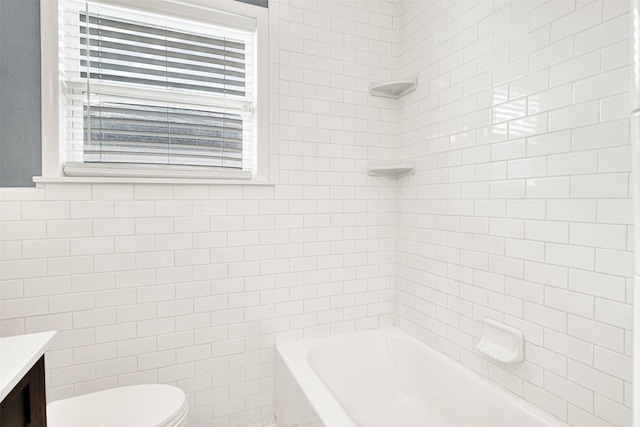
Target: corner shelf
[[394, 89], [391, 168]]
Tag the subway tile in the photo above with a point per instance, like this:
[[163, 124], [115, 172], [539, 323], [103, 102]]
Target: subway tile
[[614, 313], [614, 262], [37, 210], [10, 210], [92, 246], [529, 84], [551, 143], [550, 12], [45, 248], [603, 335], [133, 209], [23, 269], [92, 282], [525, 249], [579, 67], [613, 363], [577, 210], [611, 411], [614, 211], [73, 374], [71, 302], [597, 381], [550, 402], [570, 302], [93, 318], [529, 126], [527, 168], [68, 265], [112, 191], [113, 227], [90, 209], [545, 316], [546, 274], [113, 262], [570, 256], [576, 163], [580, 417], [534, 40], [552, 99], [574, 116], [24, 307], [10, 289], [571, 24], [548, 188], [617, 159], [605, 34], [597, 284], [69, 228], [602, 85], [597, 235], [615, 108], [573, 393], [601, 136], [615, 56], [548, 231], [512, 149], [613, 185], [513, 188]]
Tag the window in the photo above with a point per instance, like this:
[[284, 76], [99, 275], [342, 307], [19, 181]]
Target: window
[[168, 89]]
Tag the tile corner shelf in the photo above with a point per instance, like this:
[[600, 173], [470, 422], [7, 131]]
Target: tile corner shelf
[[390, 168], [394, 89]]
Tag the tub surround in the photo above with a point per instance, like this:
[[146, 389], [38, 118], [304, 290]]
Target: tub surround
[[520, 207]]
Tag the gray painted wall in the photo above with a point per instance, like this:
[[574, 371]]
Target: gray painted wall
[[262, 3], [20, 133]]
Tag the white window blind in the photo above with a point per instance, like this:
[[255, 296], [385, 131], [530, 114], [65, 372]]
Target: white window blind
[[156, 92]]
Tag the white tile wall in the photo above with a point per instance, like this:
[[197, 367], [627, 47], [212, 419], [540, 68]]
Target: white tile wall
[[519, 210], [194, 284], [521, 201]]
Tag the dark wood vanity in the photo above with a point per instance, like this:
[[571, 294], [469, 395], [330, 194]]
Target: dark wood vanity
[[23, 400], [26, 403]]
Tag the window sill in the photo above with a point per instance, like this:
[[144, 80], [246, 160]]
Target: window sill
[[128, 180]]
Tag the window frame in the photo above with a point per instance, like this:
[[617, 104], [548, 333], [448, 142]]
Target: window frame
[[53, 145]]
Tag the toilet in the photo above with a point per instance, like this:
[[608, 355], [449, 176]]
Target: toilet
[[149, 405]]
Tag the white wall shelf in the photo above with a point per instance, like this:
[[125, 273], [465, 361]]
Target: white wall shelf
[[391, 168], [394, 89]]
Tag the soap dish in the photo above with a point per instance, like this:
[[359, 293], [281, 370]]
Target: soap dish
[[501, 342]]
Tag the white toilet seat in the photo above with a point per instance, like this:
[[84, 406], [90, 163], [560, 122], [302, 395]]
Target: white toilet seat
[[150, 405]]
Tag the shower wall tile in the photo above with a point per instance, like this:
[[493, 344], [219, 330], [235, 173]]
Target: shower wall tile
[[523, 149]]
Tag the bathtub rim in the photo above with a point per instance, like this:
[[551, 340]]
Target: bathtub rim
[[295, 356]]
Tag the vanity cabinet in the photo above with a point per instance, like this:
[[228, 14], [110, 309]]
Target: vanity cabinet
[[22, 380], [26, 404]]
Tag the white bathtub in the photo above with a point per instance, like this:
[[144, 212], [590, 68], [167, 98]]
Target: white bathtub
[[386, 378]]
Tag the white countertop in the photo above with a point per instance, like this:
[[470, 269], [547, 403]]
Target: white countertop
[[18, 355]]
